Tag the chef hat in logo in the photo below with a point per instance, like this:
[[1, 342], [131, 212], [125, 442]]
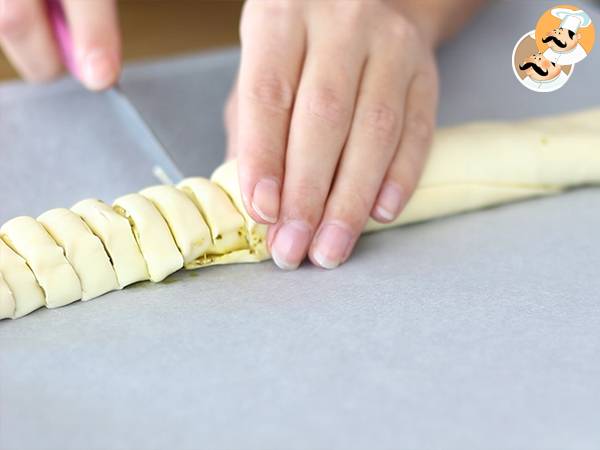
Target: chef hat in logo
[[572, 20]]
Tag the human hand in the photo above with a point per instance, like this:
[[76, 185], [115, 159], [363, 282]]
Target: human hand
[[331, 120], [29, 43]]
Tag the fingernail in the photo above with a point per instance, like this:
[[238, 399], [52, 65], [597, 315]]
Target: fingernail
[[265, 199], [290, 244], [332, 246], [98, 69], [389, 202]]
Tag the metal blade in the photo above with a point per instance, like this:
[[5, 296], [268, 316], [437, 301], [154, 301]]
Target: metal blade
[[165, 168]]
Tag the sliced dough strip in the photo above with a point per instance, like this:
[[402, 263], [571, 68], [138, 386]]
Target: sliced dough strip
[[152, 235], [26, 291], [46, 259], [187, 225], [115, 233], [226, 176], [7, 301], [226, 224], [83, 250]]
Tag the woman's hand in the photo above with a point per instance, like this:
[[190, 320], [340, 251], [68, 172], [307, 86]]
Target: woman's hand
[[331, 120], [28, 41]]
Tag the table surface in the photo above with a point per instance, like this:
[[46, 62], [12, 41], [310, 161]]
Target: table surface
[[475, 331]]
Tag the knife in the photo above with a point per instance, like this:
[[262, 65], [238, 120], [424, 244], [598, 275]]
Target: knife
[[164, 167]]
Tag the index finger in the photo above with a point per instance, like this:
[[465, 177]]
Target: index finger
[[96, 40], [272, 51]]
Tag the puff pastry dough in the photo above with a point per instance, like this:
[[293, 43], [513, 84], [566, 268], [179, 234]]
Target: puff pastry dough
[[7, 301], [56, 276], [203, 222], [83, 250], [152, 235], [26, 292], [117, 237], [187, 226]]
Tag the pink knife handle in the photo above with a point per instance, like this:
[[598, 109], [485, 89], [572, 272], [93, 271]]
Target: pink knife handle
[[58, 21]]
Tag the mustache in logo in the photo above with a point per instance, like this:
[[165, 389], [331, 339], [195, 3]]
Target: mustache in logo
[[529, 65], [555, 40]]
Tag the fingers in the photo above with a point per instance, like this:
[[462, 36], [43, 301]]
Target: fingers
[[230, 116], [334, 178], [272, 52], [408, 163], [320, 125], [96, 40], [372, 143], [27, 39]]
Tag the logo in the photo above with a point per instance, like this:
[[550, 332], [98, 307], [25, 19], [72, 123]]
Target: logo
[[544, 59]]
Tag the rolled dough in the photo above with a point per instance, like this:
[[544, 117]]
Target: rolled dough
[[152, 235], [483, 164], [470, 167], [117, 237], [226, 176], [26, 291], [56, 276], [187, 225], [83, 250], [224, 220], [7, 301]]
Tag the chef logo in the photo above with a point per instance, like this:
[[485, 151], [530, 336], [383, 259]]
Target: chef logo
[[544, 59]]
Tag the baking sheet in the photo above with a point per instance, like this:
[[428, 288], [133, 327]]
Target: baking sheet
[[476, 331]]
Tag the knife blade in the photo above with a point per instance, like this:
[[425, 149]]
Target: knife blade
[[165, 168]]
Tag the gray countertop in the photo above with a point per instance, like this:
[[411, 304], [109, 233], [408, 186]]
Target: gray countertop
[[476, 331]]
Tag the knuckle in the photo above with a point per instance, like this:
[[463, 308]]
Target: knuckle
[[272, 92], [15, 18], [381, 123], [401, 30], [328, 105]]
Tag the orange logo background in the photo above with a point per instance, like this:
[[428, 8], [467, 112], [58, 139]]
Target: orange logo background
[[548, 22]]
